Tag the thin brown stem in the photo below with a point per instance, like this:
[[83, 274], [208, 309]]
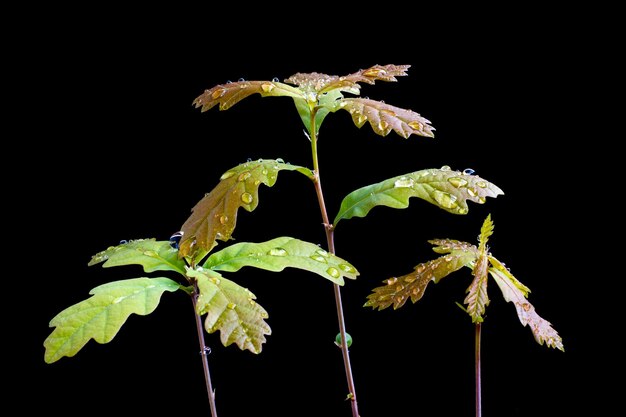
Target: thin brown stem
[[477, 371], [204, 351], [328, 227]]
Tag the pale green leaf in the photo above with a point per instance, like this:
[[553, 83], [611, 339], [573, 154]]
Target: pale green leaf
[[101, 316], [231, 309], [322, 108], [229, 94], [541, 328], [215, 215], [499, 266], [153, 255], [384, 117], [485, 231], [399, 289], [447, 189], [280, 253]]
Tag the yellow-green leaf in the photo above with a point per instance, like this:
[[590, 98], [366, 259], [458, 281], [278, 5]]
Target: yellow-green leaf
[[153, 255], [280, 253], [215, 215], [447, 189], [101, 316], [231, 309]]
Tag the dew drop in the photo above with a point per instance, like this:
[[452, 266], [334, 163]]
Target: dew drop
[[389, 112], [280, 160], [468, 171], [420, 269], [458, 182], [123, 242], [227, 175], [215, 281], [267, 87], [481, 184], [404, 182], [347, 268], [323, 253], [277, 252], [382, 125], [231, 306], [482, 200], [251, 301], [415, 125], [223, 219], [333, 272], [463, 210], [150, 253], [264, 315], [472, 192], [244, 176], [276, 80], [247, 198], [409, 279], [241, 80], [264, 171], [392, 281], [446, 168], [446, 200], [119, 299], [374, 72], [318, 258], [218, 93], [257, 182], [361, 119]]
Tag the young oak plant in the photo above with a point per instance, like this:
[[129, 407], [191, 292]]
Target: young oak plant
[[228, 307], [456, 255]]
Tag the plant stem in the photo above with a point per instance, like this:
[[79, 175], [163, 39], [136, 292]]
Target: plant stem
[[204, 351], [477, 371], [329, 228]]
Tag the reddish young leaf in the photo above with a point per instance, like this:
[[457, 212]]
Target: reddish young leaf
[[215, 215], [227, 95], [384, 118]]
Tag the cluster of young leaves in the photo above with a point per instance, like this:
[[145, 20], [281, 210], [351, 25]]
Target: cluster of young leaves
[[457, 254], [230, 308], [316, 95]]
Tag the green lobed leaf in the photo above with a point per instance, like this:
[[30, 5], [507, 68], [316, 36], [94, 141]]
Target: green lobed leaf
[[280, 253], [542, 329], [153, 255], [227, 95], [485, 231], [399, 289], [215, 215], [101, 316], [384, 117], [447, 189], [231, 309]]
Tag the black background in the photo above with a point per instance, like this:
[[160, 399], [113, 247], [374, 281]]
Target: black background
[[123, 155]]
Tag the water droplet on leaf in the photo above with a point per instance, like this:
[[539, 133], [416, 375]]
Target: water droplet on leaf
[[231, 306], [404, 182], [333, 272], [446, 168], [444, 199], [392, 281], [468, 171], [247, 198], [218, 93], [227, 174], [277, 252], [244, 176], [347, 268], [458, 182], [267, 87]]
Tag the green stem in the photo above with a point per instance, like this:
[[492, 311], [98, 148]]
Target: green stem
[[477, 371], [328, 227], [204, 351]]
